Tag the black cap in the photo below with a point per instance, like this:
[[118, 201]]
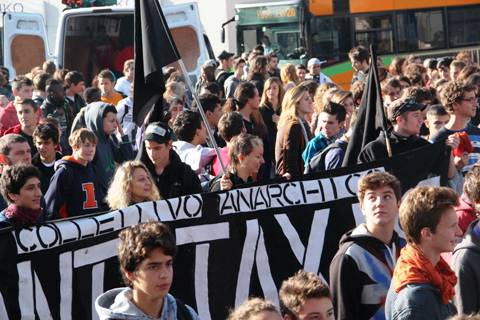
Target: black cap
[[158, 132], [398, 108], [225, 55]]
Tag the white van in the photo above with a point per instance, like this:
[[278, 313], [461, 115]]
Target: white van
[[92, 39]]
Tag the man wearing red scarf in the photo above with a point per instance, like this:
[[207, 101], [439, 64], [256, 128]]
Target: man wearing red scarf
[[423, 283]]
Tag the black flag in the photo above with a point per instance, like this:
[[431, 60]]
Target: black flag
[[371, 119], [154, 49]]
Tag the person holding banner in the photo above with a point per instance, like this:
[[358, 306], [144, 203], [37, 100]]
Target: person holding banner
[[132, 183], [145, 252], [172, 177], [245, 157], [20, 187], [293, 132]]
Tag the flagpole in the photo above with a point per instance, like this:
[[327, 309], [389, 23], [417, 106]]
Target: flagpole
[[202, 112]]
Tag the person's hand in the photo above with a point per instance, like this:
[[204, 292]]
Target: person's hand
[[275, 118], [453, 141], [120, 129], [225, 182], [287, 176], [461, 161]]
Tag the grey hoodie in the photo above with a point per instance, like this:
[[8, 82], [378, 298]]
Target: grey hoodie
[[466, 262], [109, 149], [117, 304]]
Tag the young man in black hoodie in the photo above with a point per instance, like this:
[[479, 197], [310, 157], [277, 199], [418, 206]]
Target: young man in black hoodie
[[172, 177], [361, 271]]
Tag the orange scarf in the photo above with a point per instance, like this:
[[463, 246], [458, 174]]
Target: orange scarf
[[414, 267]]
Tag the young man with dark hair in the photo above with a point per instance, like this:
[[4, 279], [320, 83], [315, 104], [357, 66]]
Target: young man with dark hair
[[272, 66], [437, 117], [46, 138], [101, 119], [359, 57], [20, 187], [460, 100], [304, 296], [172, 177], [235, 79], [361, 270], [332, 122], [443, 67], [391, 91], [146, 252], [73, 189], [423, 283], [75, 86], [22, 88], [106, 83], [27, 113], [14, 149], [92, 94], [39, 86], [407, 118], [191, 134], [455, 68], [224, 70], [56, 106], [213, 110]]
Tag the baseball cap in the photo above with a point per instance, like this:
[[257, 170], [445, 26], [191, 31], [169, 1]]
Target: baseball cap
[[399, 107], [314, 61], [158, 132]]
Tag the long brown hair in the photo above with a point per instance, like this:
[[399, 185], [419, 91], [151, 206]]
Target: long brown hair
[[264, 101]]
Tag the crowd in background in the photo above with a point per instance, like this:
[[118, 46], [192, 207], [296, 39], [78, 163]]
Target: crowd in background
[[67, 150]]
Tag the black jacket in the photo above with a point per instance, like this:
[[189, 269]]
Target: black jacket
[[177, 179], [237, 182], [377, 149]]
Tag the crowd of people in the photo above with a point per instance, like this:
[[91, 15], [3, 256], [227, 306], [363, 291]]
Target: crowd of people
[[67, 150]]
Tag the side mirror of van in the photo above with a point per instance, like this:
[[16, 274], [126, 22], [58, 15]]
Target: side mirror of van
[[222, 35]]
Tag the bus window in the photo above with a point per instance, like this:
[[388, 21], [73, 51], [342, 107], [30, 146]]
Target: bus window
[[330, 38], [421, 30], [463, 26], [375, 30]]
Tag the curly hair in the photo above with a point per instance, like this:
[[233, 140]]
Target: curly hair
[[471, 187], [119, 194], [136, 243], [453, 93], [423, 207], [251, 308], [14, 178], [296, 290]]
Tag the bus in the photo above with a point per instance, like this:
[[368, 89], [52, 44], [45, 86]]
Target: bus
[[328, 29]]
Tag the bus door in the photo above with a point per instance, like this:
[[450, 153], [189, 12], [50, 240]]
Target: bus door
[[24, 42]]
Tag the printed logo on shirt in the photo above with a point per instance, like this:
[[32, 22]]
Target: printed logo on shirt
[[90, 201]]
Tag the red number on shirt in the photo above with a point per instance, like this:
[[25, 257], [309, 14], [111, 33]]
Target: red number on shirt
[[90, 202]]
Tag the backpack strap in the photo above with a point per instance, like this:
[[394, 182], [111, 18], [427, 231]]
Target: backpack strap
[[182, 311]]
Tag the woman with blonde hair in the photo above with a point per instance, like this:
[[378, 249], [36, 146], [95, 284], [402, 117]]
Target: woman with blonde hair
[[289, 77], [245, 157], [255, 309], [293, 132], [345, 98], [270, 109], [132, 183]]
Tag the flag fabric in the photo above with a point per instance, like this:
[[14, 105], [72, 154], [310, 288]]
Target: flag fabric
[[154, 49], [371, 119]]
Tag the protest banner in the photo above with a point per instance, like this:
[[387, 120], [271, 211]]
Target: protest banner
[[232, 245]]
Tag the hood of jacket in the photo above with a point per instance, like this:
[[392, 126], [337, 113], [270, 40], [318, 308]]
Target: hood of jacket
[[471, 238], [117, 304], [68, 161], [94, 119], [361, 235]]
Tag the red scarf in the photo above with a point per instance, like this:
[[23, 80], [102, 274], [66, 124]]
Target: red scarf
[[21, 216], [414, 267]]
